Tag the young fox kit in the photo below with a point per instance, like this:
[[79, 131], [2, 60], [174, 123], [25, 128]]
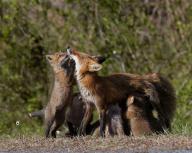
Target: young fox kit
[[54, 113], [103, 91], [142, 121]]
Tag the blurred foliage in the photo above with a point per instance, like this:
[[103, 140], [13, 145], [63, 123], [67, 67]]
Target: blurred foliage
[[138, 36]]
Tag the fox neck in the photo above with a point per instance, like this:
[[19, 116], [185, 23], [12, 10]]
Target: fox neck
[[88, 79], [87, 86], [62, 80], [81, 74]]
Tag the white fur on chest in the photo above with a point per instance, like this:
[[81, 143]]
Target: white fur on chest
[[77, 67], [77, 64], [87, 95]]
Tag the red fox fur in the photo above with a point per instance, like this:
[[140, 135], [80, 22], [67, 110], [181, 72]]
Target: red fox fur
[[142, 121], [103, 91], [62, 96], [54, 113]]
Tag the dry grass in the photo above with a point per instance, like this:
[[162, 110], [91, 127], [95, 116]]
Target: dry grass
[[84, 144]]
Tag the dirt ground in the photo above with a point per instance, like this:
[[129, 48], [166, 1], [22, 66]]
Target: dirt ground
[[156, 144]]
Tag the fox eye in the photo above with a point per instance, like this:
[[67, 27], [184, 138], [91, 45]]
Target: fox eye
[[61, 55], [90, 57], [49, 57]]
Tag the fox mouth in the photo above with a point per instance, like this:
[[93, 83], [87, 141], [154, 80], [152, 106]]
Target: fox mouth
[[70, 53], [67, 62]]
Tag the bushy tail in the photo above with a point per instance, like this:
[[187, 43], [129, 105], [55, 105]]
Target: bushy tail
[[167, 96]]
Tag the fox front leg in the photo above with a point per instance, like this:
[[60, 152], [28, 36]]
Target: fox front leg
[[48, 125], [86, 119], [102, 115]]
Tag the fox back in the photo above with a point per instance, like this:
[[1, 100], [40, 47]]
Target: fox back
[[91, 85]]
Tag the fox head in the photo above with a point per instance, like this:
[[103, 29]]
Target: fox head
[[84, 62], [60, 61]]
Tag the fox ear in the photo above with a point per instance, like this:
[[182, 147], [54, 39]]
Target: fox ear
[[130, 100], [99, 59], [69, 51], [49, 57], [95, 67]]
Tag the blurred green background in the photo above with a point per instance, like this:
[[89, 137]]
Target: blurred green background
[[138, 36]]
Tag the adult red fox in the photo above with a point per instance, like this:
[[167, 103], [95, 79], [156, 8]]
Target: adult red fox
[[140, 115], [103, 91]]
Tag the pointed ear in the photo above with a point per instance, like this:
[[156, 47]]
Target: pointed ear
[[99, 59], [49, 57], [69, 51], [130, 100], [95, 67]]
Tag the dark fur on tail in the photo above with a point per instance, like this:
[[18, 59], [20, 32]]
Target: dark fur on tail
[[167, 106]]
